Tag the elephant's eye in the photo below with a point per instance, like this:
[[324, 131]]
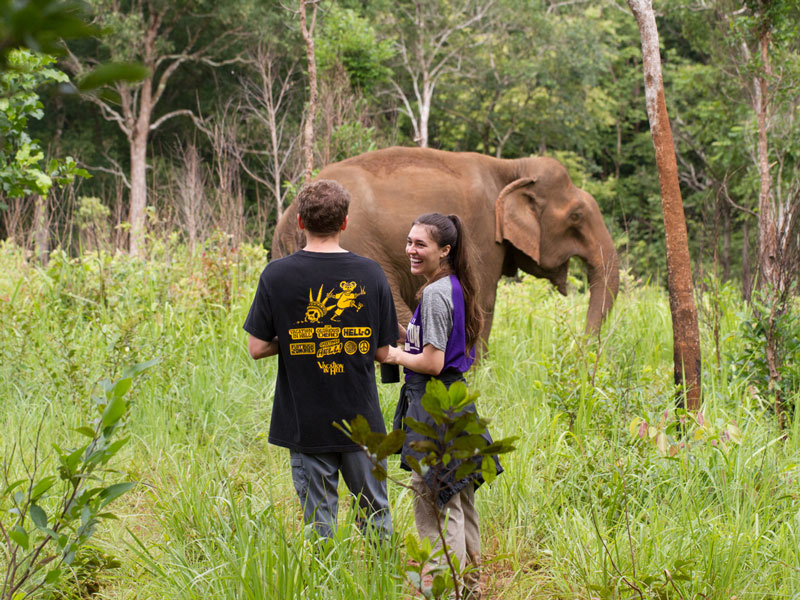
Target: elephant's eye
[[576, 217]]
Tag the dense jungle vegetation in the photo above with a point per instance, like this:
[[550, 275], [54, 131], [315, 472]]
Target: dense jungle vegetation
[[508, 78], [138, 359]]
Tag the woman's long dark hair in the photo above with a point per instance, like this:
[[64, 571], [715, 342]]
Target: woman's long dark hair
[[448, 230]]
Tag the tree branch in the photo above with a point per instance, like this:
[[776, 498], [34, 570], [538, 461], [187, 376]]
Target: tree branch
[[175, 113]]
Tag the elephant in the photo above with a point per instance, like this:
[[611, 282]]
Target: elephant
[[519, 213]]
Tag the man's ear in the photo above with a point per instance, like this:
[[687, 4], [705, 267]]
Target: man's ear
[[344, 225], [300, 223]]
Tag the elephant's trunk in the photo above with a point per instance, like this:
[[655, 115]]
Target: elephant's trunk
[[603, 273]]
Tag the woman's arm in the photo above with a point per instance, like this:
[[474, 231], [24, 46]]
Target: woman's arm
[[430, 362]]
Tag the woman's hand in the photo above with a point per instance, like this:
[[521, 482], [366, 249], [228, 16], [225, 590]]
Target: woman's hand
[[392, 356], [430, 362]]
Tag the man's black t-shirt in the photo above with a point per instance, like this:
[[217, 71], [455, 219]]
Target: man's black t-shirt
[[330, 311]]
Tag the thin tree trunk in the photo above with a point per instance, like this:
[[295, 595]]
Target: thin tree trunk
[[769, 277], [726, 242], [308, 132], [41, 231], [425, 111], [685, 330], [767, 230], [136, 212], [747, 279]]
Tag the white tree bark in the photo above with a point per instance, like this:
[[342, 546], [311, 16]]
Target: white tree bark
[[307, 30], [263, 101], [429, 49], [134, 114]]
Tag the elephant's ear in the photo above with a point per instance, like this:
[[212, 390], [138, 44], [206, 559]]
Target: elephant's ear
[[514, 221]]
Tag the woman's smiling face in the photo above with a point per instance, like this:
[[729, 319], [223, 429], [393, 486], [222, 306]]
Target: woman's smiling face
[[423, 252]]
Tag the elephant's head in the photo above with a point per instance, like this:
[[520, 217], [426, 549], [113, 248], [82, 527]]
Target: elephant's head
[[548, 220]]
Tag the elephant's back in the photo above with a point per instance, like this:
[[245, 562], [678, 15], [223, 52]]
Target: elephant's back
[[401, 162]]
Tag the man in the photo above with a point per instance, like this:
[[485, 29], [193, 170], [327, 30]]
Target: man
[[328, 314]]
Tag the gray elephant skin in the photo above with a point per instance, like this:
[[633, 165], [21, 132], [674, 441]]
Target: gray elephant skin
[[520, 214]]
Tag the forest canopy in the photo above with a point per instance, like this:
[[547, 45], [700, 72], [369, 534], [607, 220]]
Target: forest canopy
[[211, 137]]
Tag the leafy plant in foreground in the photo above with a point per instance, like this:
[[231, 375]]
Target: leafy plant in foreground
[[453, 446], [36, 545], [771, 351]]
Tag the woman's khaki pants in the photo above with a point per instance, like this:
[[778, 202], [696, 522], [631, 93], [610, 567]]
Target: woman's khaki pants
[[463, 535]]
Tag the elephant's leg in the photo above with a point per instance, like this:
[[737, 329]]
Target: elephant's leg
[[488, 317], [404, 312]]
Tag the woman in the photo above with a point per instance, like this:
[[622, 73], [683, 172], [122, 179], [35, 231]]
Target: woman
[[440, 342]]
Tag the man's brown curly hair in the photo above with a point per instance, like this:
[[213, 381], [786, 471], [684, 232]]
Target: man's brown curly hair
[[323, 205]]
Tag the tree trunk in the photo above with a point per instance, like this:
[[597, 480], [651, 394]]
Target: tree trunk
[[308, 132], [726, 243], [138, 206], [770, 282], [747, 280], [41, 229], [425, 111], [767, 230], [685, 330]]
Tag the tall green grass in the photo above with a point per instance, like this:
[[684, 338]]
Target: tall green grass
[[585, 509]]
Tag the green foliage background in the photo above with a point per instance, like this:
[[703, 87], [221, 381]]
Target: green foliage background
[[534, 77]]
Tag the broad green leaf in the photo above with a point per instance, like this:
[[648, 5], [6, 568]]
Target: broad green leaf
[[414, 464], [87, 431], [121, 387], [465, 468], [12, 486], [501, 446], [423, 446], [134, 370], [458, 426], [52, 575], [470, 442], [114, 410], [476, 426], [488, 469], [359, 430], [19, 536], [41, 487], [113, 449], [391, 443], [433, 406], [457, 395], [421, 428], [113, 492], [112, 72], [439, 585], [437, 389], [38, 516]]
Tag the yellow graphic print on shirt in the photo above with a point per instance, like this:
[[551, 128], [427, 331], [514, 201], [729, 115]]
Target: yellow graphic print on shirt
[[327, 338], [347, 298], [317, 307]]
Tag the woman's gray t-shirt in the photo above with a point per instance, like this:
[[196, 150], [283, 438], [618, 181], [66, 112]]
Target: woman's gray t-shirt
[[437, 313]]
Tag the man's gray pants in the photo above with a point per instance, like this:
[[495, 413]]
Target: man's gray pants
[[316, 479]]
